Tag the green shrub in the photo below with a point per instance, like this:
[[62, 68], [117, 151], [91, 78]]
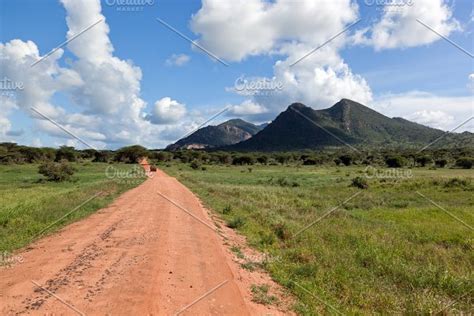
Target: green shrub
[[457, 182], [441, 163], [394, 161], [360, 183], [195, 164], [236, 222], [465, 163], [227, 209], [346, 159], [56, 171], [260, 295], [424, 160]]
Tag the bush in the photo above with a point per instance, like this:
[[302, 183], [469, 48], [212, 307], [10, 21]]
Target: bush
[[195, 165], [360, 183], [310, 162], [465, 163], [131, 154], [66, 153], [236, 222], [346, 160], [227, 209], [243, 160], [56, 171], [394, 162], [457, 182], [424, 160], [441, 163]]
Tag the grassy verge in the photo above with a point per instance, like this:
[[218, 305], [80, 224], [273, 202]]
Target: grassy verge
[[387, 250], [30, 205]]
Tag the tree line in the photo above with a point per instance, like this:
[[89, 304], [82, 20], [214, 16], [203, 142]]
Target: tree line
[[12, 153]]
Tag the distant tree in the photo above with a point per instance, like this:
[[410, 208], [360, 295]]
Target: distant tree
[[262, 159], [225, 158], [346, 159], [424, 160], [441, 163], [162, 156], [282, 158], [394, 161], [195, 164], [243, 160], [66, 153], [465, 163], [102, 156], [31, 154], [310, 161], [131, 154]]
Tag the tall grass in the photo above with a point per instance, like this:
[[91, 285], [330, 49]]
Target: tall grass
[[30, 204], [387, 251]]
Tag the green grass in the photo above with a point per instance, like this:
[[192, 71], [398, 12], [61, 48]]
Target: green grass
[[388, 250], [29, 205]]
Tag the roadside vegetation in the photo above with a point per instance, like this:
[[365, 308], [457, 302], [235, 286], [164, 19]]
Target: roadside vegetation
[[387, 250], [31, 203], [398, 237]]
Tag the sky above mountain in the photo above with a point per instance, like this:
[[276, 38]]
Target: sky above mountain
[[129, 73]]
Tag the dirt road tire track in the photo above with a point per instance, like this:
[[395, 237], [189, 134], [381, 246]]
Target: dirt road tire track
[[141, 255]]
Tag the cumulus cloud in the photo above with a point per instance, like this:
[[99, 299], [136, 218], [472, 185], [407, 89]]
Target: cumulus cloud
[[248, 107], [235, 30], [103, 88], [437, 119], [400, 29], [167, 111], [437, 111], [178, 60]]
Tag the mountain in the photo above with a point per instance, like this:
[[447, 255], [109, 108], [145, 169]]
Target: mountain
[[346, 122], [227, 133]]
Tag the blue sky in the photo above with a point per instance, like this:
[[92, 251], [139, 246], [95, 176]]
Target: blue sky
[[158, 86]]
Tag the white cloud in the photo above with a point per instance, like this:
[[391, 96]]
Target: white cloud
[[442, 112], [6, 107], [400, 29], [104, 89], [178, 60], [248, 107], [36, 142], [235, 30], [437, 119], [167, 111]]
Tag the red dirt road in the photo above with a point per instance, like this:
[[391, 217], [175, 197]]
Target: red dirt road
[[142, 255]]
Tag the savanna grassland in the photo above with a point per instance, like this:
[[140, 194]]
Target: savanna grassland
[[32, 207], [383, 249]]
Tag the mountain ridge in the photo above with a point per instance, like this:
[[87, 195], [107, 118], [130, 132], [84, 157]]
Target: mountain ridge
[[211, 136], [347, 122]]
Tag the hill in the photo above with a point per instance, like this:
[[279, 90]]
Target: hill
[[346, 122], [227, 133]]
